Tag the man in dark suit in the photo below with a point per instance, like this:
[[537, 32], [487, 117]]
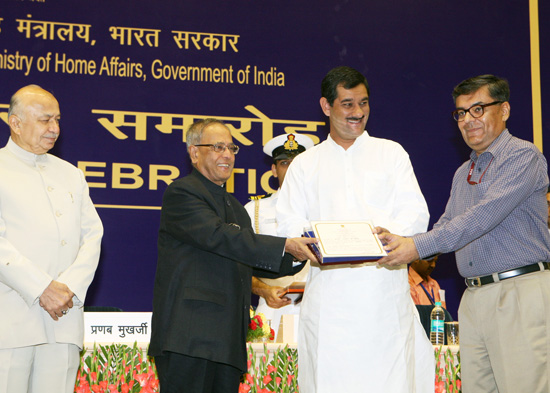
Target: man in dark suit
[[207, 252]]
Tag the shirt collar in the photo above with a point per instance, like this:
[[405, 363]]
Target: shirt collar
[[416, 278], [211, 186], [358, 141], [23, 154], [496, 147]]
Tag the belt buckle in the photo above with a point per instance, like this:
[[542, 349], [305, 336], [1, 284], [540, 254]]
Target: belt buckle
[[475, 282]]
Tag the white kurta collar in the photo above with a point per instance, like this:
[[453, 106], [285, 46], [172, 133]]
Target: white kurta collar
[[23, 154], [359, 141]]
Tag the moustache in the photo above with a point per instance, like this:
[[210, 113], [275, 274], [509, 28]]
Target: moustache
[[355, 118]]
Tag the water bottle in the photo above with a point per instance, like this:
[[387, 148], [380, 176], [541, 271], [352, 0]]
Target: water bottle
[[437, 325]]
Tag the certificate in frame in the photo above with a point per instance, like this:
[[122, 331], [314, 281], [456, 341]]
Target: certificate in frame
[[342, 242]]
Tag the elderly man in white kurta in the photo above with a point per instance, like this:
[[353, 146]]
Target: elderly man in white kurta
[[50, 237], [358, 331]]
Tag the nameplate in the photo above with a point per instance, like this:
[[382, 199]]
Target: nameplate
[[117, 327]]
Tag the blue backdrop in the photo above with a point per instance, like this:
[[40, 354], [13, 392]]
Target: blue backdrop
[[130, 76]]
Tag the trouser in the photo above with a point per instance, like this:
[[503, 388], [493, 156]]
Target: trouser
[[186, 374], [505, 336], [44, 368]]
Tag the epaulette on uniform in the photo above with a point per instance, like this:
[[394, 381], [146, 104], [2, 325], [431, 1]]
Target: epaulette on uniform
[[258, 197]]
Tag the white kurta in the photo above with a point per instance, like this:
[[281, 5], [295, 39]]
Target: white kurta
[[49, 230], [357, 324], [267, 225]]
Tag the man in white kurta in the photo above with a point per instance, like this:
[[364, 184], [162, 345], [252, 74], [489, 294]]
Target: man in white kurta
[[262, 211], [50, 237], [358, 331]]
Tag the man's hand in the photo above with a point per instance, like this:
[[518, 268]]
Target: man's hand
[[379, 230], [57, 299], [297, 246], [403, 250], [274, 296]]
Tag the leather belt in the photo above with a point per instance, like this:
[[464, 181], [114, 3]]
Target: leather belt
[[496, 277]]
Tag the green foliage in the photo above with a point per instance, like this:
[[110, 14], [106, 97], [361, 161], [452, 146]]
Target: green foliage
[[116, 368]]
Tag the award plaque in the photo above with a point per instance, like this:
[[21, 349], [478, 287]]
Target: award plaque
[[342, 242]]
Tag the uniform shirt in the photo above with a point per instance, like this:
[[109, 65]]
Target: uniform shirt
[[500, 223], [267, 215], [49, 230], [266, 224]]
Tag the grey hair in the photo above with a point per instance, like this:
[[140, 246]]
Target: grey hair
[[193, 135]]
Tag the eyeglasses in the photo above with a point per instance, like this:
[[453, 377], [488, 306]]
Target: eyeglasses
[[475, 111], [220, 147]]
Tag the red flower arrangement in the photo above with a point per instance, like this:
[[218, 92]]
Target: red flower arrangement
[[124, 369], [116, 369], [259, 329], [447, 372], [277, 375]]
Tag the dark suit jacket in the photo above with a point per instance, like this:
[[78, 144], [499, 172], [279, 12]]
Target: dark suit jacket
[[207, 251]]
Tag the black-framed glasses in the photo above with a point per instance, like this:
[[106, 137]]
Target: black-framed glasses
[[220, 147], [475, 111]]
